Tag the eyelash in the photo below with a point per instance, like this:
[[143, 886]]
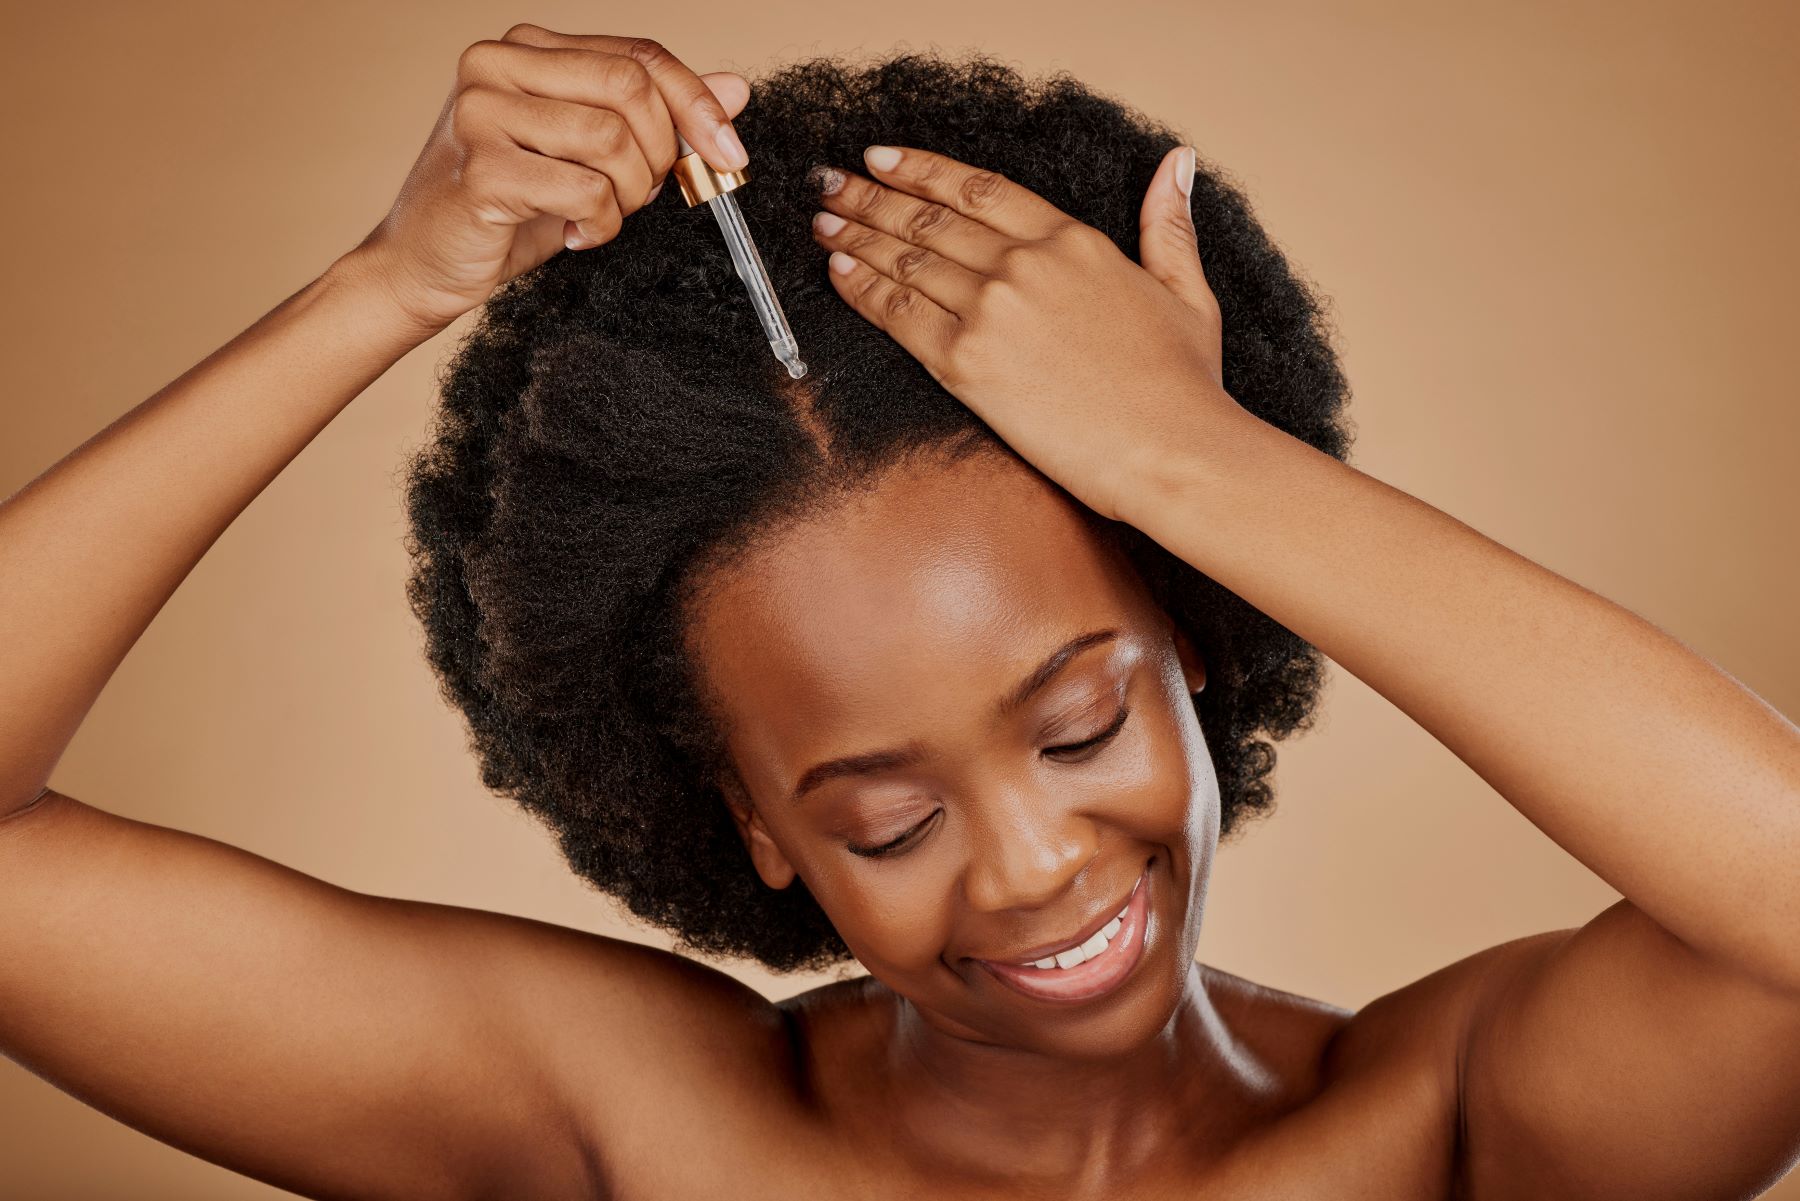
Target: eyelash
[[1104, 736]]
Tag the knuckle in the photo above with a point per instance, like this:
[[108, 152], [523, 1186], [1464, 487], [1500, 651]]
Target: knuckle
[[607, 129], [1081, 236], [981, 190], [865, 291], [898, 301], [647, 51], [929, 167], [1014, 260], [925, 220], [859, 239], [474, 106], [476, 60], [911, 263], [627, 76], [996, 294], [865, 202]]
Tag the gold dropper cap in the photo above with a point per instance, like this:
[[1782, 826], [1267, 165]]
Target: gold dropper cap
[[699, 181]]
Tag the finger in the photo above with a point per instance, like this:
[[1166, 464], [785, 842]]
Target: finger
[[982, 196], [511, 186], [697, 113], [604, 82], [598, 138], [948, 233], [907, 315], [951, 286]]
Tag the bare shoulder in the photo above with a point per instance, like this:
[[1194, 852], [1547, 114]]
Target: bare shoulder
[[367, 1046], [1382, 1082], [658, 1055], [1423, 1026]]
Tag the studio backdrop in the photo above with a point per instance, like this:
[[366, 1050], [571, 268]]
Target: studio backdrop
[[1557, 239]]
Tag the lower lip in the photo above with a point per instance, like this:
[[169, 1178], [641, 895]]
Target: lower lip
[[1094, 977]]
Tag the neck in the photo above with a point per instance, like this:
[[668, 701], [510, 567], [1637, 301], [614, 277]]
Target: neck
[[977, 1109]]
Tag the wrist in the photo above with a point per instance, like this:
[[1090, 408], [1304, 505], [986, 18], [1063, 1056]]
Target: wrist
[[1217, 448], [361, 279]]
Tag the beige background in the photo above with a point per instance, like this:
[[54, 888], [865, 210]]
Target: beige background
[[1561, 244]]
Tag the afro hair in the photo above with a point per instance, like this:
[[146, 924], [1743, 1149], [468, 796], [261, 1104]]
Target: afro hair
[[613, 424]]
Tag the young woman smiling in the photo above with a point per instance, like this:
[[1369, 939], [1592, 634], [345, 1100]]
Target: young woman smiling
[[954, 657]]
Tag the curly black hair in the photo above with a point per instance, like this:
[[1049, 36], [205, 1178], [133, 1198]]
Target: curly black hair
[[613, 426]]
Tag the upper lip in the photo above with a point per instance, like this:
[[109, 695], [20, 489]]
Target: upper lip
[[1088, 931]]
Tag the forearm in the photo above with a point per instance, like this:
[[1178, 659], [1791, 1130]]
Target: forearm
[[1665, 776], [92, 548]]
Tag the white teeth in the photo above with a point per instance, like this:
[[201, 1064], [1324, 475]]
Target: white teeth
[[1088, 949]]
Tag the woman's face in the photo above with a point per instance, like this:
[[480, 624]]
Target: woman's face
[[871, 665]]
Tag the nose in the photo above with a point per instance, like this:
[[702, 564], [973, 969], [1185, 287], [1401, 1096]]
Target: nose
[[1025, 849]]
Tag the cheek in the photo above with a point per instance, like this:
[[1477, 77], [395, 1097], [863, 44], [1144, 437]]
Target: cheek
[[895, 923], [1164, 784], [1193, 788]]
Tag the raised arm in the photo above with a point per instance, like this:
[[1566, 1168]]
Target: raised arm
[[1654, 1053], [333, 1043], [91, 549]]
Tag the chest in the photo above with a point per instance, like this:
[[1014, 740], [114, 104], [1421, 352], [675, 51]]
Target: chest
[[1374, 1139]]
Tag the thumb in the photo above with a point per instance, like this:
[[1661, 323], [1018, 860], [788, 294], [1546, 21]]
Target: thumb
[[1167, 245], [731, 90]]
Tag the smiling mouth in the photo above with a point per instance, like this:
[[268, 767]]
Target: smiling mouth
[[1087, 968]]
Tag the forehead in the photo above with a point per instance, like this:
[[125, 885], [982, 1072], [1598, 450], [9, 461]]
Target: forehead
[[926, 596]]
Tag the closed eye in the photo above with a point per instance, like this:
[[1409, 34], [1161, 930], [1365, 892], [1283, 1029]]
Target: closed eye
[[1100, 739], [892, 845], [1075, 749]]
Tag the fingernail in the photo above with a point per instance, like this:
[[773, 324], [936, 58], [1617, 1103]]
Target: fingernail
[[654, 191], [842, 263], [1184, 171], [828, 180], [735, 157], [827, 223], [882, 158], [576, 242]]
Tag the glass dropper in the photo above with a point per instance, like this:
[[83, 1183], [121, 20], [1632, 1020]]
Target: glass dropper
[[701, 184]]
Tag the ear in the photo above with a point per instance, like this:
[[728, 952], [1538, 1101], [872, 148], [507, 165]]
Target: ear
[[771, 864], [1193, 670]]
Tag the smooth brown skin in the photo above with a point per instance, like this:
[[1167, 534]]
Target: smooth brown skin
[[343, 1045]]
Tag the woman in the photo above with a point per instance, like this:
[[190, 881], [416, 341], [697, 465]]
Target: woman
[[955, 656]]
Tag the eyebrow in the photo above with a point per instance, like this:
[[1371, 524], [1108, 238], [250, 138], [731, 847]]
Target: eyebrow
[[872, 762]]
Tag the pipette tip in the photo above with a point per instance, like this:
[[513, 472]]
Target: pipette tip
[[789, 353]]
